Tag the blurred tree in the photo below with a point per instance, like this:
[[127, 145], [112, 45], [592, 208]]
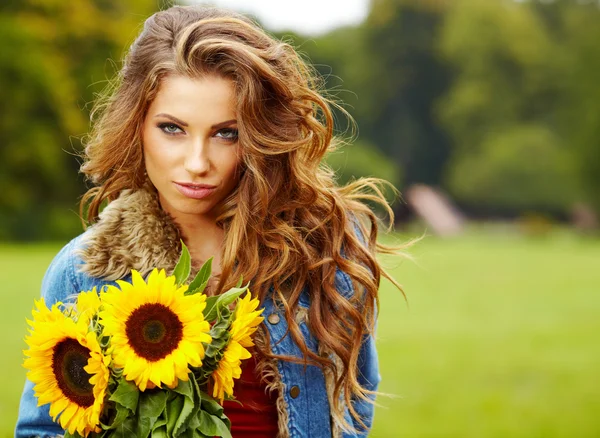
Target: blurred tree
[[52, 61], [579, 106], [405, 78], [360, 159], [502, 108], [388, 76], [522, 168]]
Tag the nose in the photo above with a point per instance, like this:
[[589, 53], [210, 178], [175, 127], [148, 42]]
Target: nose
[[197, 158]]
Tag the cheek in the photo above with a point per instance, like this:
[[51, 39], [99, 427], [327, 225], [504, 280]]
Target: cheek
[[156, 156]]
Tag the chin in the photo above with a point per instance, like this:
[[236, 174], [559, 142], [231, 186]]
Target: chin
[[175, 205], [193, 207]]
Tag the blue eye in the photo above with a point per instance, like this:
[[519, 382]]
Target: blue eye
[[229, 134], [169, 128]]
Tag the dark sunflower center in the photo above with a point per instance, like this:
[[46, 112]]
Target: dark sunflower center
[[153, 331], [68, 361]]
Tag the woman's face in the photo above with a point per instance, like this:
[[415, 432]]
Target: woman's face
[[191, 149]]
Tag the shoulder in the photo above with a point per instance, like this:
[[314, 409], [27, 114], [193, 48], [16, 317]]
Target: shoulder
[[64, 277], [357, 229]]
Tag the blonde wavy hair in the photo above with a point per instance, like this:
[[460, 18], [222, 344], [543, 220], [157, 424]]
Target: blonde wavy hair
[[287, 224]]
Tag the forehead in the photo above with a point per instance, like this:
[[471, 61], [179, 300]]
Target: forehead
[[183, 96]]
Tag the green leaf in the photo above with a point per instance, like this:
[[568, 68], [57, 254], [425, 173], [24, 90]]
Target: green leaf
[[219, 343], [207, 426], [174, 407], [126, 429], [183, 266], [121, 414], [199, 282], [213, 307], [160, 432], [184, 417], [213, 426], [196, 388], [162, 421], [239, 282], [193, 421], [150, 406], [186, 389], [144, 427], [127, 394], [211, 405], [210, 311], [231, 295]]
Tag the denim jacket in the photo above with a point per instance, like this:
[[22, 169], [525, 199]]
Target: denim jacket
[[303, 393]]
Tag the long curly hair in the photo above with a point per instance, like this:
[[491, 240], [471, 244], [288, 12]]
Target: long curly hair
[[288, 224]]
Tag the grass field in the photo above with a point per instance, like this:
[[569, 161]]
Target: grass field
[[500, 337]]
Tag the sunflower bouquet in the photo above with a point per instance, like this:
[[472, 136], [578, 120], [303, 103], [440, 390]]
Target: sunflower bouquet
[[153, 357]]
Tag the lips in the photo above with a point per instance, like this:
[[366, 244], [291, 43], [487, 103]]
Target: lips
[[196, 186], [195, 191]]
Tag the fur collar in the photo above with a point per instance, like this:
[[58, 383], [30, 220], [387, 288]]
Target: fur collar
[[132, 232]]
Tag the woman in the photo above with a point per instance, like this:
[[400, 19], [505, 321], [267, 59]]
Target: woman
[[214, 133]]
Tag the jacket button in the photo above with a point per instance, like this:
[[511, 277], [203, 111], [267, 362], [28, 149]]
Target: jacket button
[[273, 318], [294, 391]]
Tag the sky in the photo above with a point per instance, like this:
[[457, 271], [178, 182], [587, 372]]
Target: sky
[[307, 17]]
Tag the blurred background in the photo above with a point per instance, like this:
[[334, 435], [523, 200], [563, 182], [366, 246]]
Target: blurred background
[[486, 116]]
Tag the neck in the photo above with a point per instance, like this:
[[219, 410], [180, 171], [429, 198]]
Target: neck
[[204, 239]]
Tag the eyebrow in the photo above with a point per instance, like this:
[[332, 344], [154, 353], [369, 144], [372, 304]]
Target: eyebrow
[[182, 123]]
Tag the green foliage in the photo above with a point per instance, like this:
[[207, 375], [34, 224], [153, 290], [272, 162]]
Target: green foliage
[[519, 169], [183, 266], [420, 76], [182, 411], [358, 160], [127, 395], [199, 282], [53, 61], [502, 77], [151, 406], [579, 104], [217, 304], [504, 111]]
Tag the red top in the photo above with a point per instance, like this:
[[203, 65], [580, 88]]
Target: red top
[[256, 417]]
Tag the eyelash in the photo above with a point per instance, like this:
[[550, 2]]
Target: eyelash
[[163, 127], [230, 131]]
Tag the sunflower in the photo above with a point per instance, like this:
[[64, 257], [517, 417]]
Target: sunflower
[[245, 322], [156, 331], [87, 305], [67, 368]]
